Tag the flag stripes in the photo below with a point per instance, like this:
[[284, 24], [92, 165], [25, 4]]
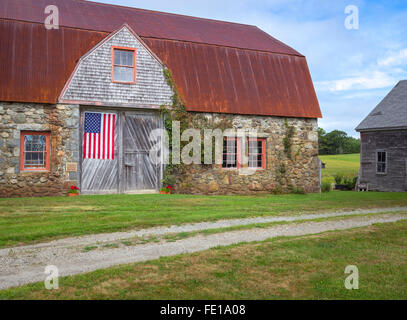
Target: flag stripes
[[99, 132]]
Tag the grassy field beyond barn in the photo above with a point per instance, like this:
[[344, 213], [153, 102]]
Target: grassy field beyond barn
[[346, 164]]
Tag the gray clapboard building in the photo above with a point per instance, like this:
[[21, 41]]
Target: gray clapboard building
[[384, 143]]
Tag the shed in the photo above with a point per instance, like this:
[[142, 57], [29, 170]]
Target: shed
[[383, 136]]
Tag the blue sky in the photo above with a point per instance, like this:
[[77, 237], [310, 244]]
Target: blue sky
[[352, 70]]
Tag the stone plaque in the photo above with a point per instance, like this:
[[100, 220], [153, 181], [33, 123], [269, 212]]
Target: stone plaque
[[71, 167]]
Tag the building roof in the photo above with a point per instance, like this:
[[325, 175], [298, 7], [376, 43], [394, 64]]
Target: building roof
[[390, 113], [217, 66]]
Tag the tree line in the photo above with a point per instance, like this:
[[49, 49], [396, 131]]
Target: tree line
[[337, 142]]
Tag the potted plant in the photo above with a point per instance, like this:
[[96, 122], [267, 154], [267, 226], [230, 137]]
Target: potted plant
[[339, 177], [73, 192], [166, 190]]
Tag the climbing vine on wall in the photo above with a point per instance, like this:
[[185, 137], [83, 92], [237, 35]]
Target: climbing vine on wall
[[281, 171], [290, 131], [178, 112]]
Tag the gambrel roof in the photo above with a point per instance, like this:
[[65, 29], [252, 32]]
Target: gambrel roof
[[390, 113], [217, 66]]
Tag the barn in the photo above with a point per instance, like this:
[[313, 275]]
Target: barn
[[383, 133], [80, 94]]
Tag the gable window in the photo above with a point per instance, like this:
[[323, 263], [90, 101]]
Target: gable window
[[231, 153], [381, 161], [256, 153], [123, 65], [34, 151]]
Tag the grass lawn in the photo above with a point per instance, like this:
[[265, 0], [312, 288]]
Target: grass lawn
[[347, 164], [27, 220], [310, 267]]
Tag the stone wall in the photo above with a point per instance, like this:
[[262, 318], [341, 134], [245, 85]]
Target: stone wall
[[62, 121], [395, 144], [282, 174]]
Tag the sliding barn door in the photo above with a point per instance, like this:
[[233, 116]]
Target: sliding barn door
[[100, 152], [140, 173]]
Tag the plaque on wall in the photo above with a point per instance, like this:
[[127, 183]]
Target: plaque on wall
[[71, 167]]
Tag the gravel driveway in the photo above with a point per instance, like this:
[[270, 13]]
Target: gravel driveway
[[21, 265]]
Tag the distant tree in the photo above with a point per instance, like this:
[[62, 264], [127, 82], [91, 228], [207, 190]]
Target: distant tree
[[337, 142]]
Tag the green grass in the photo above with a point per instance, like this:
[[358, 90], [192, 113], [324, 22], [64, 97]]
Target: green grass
[[346, 164], [28, 220], [310, 267]]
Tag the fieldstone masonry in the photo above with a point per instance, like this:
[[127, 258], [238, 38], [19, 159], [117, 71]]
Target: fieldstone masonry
[[281, 174], [62, 121]]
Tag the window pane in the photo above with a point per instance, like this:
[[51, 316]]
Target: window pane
[[117, 55], [35, 147], [229, 153], [124, 74], [129, 61], [255, 153], [123, 57], [35, 143]]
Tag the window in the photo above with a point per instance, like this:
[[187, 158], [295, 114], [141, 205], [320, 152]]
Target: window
[[34, 151], [231, 153], [123, 65], [256, 153], [381, 162]]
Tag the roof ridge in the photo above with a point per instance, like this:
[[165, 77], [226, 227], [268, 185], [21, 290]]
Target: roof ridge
[[170, 39], [225, 46], [167, 13]]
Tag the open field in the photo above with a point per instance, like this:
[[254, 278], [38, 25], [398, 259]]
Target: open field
[[346, 164], [28, 220], [307, 267]]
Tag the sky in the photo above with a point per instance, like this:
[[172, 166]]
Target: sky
[[352, 69]]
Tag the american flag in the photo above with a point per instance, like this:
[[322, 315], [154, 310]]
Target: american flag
[[98, 140]]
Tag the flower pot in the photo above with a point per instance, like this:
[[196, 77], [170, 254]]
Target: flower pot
[[164, 192], [73, 194], [341, 187]]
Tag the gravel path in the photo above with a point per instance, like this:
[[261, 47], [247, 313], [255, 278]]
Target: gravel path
[[21, 265], [157, 231]]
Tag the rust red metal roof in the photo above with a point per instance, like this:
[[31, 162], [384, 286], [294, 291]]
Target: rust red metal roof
[[215, 67], [108, 18]]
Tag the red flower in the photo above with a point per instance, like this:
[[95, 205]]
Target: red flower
[[74, 188], [169, 187]]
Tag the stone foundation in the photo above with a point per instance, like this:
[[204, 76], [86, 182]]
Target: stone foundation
[[62, 121], [281, 174]]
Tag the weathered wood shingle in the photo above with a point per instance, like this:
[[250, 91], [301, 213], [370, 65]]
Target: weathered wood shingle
[[92, 81]]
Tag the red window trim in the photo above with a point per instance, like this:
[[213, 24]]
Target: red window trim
[[263, 152], [238, 153], [34, 133], [134, 64]]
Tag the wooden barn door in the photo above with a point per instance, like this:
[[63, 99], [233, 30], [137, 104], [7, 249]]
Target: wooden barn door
[[140, 173], [99, 168]]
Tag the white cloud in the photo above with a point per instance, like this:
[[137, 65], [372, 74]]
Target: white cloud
[[394, 59], [372, 80]]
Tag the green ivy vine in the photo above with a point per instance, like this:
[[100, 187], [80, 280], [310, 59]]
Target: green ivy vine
[[178, 112]]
